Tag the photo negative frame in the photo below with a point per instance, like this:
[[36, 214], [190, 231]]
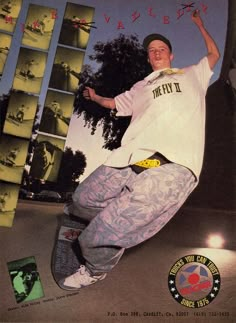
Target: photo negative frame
[[13, 153], [8, 201], [39, 27], [47, 157], [9, 12], [57, 111], [5, 44], [20, 115], [66, 68], [29, 71], [76, 26]]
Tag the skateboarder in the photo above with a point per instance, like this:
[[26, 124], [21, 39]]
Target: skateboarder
[[12, 155], [42, 24], [20, 113], [3, 200], [144, 182], [56, 108], [7, 7], [27, 70]]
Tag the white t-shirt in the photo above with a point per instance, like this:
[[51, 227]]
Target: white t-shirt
[[168, 116]]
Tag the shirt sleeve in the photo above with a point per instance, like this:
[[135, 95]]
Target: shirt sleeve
[[203, 72], [124, 102]]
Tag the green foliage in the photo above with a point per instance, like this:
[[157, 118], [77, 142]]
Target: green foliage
[[72, 167], [122, 62]]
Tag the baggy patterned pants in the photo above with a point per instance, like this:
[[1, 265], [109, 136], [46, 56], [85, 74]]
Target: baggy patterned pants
[[125, 209]]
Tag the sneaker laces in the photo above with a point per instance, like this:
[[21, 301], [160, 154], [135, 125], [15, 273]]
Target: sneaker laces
[[83, 276]]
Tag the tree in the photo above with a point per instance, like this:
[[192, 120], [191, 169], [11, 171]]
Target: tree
[[78, 166], [72, 167], [123, 62]]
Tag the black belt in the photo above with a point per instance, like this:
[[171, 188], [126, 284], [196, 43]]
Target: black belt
[[156, 160]]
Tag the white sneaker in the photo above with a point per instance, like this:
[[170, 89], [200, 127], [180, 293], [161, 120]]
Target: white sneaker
[[81, 278]]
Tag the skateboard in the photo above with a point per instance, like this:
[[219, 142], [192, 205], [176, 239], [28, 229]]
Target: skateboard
[[29, 76], [66, 255], [9, 162], [13, 119]]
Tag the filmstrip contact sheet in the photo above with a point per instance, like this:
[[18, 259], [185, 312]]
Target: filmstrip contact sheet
[[37, 111], [29, 121]]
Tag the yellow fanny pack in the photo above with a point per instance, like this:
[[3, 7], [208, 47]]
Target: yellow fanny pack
[[149, 163], [155, 160]]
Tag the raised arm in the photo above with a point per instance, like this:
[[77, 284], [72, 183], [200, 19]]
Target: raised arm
[[213, 52], [90, 94]]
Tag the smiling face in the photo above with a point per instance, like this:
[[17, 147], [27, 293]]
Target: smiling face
[[159, 55]]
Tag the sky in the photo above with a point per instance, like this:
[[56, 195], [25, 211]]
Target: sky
[[140, 17]]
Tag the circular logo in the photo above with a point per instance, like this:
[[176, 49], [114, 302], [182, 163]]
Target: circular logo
[[194, 281]]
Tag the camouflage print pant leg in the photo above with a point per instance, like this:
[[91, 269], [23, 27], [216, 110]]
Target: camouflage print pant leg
[[145, 204], [98, 190]]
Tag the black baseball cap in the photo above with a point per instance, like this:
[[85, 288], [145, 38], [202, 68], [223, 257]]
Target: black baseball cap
[[147, 40]]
